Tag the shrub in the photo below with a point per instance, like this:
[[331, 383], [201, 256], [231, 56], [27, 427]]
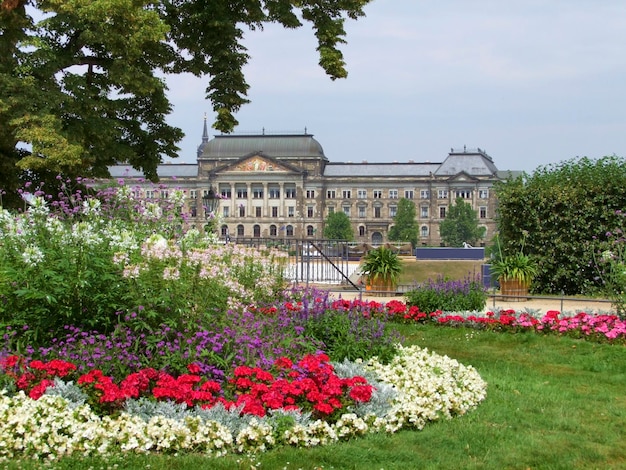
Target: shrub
[[84, 258], [449, 296]]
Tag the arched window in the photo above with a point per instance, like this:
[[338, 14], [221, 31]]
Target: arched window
[[310, 231], [224, 230], [377, 238], [240, 231], [361, 231], [272, 230], [256, 230], [424, 231], [289, 230]]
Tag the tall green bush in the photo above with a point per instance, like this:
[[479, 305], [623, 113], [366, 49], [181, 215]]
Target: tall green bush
[[562, 207]]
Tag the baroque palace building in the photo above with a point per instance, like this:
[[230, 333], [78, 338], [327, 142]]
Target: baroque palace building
[[284, 186]]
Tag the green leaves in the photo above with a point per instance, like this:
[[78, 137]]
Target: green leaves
[[461, 225], [83, 85], [338, 227], [382, 263], [562, 207], [405, 227]]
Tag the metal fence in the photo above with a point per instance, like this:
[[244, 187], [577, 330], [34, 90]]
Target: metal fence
[[316, 261]]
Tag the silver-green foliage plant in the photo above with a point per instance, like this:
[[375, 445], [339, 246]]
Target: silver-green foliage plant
[[382, 396], [68, 390]]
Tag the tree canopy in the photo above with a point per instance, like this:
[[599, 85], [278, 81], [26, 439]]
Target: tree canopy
[[338, 227], [564, 208], [461, 225], [405, 227], [81, 81]]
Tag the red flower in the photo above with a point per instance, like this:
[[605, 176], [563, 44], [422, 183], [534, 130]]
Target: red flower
[[39, 389], [193, 368], [361, 393]]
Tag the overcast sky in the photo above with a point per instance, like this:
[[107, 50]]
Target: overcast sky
[[532, 82]]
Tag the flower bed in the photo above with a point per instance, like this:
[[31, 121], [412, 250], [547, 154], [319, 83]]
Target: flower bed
[[414, 388], [138, 333]]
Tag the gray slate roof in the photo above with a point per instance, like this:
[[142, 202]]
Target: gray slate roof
[[478, 163], [379, 169], [277, 146]]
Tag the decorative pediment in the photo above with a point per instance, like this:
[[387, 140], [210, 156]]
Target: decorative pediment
[[461, 177], [257, 163]]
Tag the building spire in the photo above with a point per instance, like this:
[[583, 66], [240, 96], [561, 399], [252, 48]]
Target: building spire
[[205, 139], [205, 132]]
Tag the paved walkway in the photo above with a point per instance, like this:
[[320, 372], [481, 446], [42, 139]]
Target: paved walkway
[[542, 304]]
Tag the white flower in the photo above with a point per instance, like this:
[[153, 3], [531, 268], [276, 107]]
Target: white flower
[[32, 255]]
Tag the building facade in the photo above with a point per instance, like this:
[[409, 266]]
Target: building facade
[[283, 185]]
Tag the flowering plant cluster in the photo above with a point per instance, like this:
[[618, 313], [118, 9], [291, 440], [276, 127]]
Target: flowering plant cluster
[[450, 296], [425, 386], [393, 310], [310, 385], [83, 256], [609, 256], [599, 327]]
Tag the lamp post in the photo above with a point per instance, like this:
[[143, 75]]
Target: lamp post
[[210, 202]]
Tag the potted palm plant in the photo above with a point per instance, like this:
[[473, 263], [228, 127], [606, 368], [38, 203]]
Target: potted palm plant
[[515, 272], [381, 268]]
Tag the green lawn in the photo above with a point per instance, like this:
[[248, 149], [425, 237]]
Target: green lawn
[[552, 403], [422, 270]]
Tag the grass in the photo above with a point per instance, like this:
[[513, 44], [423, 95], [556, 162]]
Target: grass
[[552, 403], [416, 271]]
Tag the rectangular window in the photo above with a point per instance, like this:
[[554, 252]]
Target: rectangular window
[[310, 194], [291, 211], [347, 194], [361, 211], [310, 211], [393, 194], [378, 194], [274, 211], [361, 194], [463, 193], [242, 193], [482, 212], [226, 194], [408, 194], [257, 193], [226, 211], [393, 210], [164, 194], [257, 212], [377, 212], [424, 194], [331, 210], [149, 194], [193, 194], [346, 210], [242, 211], [483, 194], [290, 193], [424, 213], [194, 211], [274, 193], [442, 212], [330, 194], [442, 194]]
